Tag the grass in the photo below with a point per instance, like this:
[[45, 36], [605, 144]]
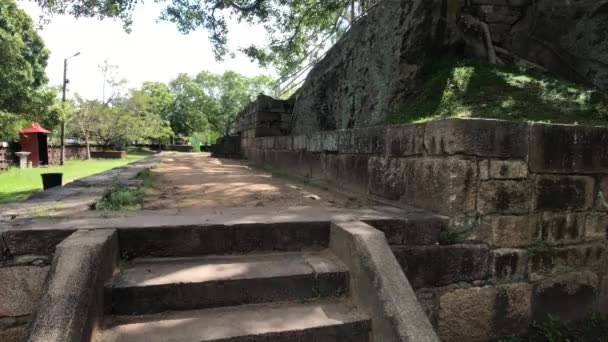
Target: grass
[[594, 328], [17, 184], [124, 198], [466, 88]]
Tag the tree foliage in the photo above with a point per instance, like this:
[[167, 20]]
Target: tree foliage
[[298, 30], [24, 96]]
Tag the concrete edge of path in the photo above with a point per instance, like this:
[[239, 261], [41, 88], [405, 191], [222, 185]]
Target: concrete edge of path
[[71, 302], [379, 285]]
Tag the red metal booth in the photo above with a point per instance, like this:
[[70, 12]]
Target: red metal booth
[[34, 140]]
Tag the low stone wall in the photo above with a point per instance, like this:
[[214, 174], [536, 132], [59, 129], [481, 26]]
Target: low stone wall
[[5, 156], [109, 154], [25, 258], [525, 204]]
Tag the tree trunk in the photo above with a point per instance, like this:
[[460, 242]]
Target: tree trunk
[[86, 140]]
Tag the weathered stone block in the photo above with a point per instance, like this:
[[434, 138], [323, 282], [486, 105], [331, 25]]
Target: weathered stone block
[[386, 177], [299, 143], [568, 149], [603, 300], [314, 142], [562, 228], [268, 143], [412, 231], [284, 143], [369, 140], [556, 193], [405, 140], [20, 288], [569, 297], [353, 172], [503, 169], [14, 334], [39, 242], [450, 264], [327, 171], [548, 262], [508, 265], [509, 231], [596, 227], [481, 314], [444, 185], [259, 142], [483, 138], [505, 197], [601, 202], [329, 141]]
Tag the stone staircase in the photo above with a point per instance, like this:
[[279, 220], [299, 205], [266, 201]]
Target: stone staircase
[[260, 284]]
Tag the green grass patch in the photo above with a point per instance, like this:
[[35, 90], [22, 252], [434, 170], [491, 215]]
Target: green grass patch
[[122, 198], [467, 88], [594, 328], [17, 184]]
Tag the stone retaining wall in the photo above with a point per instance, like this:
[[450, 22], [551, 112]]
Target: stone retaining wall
[[25, 258], [525, 204]]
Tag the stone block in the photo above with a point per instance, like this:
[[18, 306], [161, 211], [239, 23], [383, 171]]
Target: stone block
[[603, 300], [601, 202], [369, 140], [413, 230], [504, 197], [14, 334], [314, 142], [443, 185], [268, 143], [477, 137], [299, 143], [569, 297], [386, 177], [327, 170], [547, 262], [405, 140], [430, 266], [562, 228], [353, 172], [20, 288], [568, 149], [284, 143], [329, 141], [503, 169], [40, 242], [596, 227], [508, 265], [508, 231], [482, 314], [259, 142], [564, 193]]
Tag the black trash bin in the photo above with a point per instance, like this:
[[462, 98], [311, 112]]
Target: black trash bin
[[51, 180]]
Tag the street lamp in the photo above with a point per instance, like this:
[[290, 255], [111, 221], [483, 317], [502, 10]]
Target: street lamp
[[65, 83]]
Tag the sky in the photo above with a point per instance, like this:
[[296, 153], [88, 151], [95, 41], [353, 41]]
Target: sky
[[153, 51]]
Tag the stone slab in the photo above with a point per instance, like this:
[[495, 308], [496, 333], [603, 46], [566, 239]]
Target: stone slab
[[508, 231], [484, 313], [568, 149], [450, 264], [370, 140], [404, 140], [164, 284], [477, 137], [504, 197], [564, 193], [20, 289], [290, 322]]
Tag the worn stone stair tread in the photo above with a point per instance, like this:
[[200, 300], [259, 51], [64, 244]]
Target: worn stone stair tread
[[317, 321], [164, 284], [164, 271]]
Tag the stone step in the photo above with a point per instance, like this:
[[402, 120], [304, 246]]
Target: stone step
[[163, 284], [179, 241], [288, 322]]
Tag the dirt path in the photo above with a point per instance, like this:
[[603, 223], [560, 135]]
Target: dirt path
[[199, 181]]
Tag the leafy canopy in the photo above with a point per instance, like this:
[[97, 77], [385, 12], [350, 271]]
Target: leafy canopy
[[24, 96], [298, 30]]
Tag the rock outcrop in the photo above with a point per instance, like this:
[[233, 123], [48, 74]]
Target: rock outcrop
[[376, 65]]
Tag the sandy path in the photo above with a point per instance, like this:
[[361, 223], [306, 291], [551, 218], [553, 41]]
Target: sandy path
[[199, 181]]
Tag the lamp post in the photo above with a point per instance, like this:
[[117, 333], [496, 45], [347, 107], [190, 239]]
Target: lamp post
[[63, 99]]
